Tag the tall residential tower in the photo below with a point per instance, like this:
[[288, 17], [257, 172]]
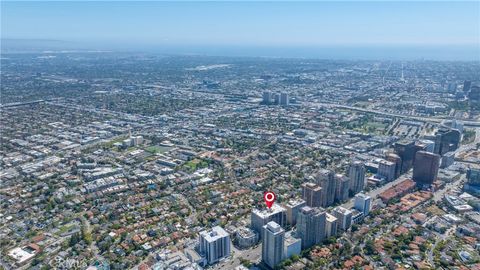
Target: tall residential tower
[[273, 244]]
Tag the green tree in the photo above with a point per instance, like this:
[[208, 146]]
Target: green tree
[[74, 239], [86, 235], [369, 247]]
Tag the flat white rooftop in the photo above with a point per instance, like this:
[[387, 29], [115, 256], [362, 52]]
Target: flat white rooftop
[[214, 234], [21, 255], [266, 212]]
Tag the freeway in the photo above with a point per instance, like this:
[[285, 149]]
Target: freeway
[[416, 118]]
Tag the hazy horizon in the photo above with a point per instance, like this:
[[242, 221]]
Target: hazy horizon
[[359, 30]]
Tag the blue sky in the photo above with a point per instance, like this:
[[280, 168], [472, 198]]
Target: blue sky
[[246, 23]]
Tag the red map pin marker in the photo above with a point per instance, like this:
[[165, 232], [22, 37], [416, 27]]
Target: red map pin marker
[[269, 198]]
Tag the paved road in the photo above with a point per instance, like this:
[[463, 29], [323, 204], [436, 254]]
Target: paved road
[[439, 237], [374, 193], [438, 195], [253, 255], [417, 118], [468, 147]]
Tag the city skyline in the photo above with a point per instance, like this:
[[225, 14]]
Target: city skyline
[[239, 135]]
